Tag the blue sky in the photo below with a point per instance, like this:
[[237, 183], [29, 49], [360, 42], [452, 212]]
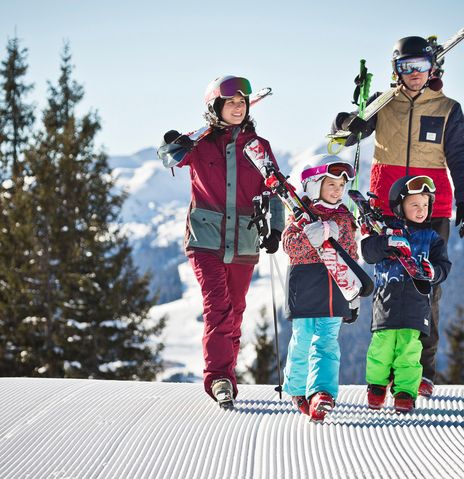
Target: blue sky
[[145, 64]]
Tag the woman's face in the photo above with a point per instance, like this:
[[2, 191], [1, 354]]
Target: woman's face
[[234, 110]]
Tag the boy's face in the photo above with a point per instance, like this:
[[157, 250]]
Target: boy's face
[[332, 189], [416, 207]]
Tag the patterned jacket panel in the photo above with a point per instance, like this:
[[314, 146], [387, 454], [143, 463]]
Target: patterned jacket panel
[[296, 243]]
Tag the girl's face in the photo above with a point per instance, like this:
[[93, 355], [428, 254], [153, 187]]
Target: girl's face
[[416, 207], [234, 110], [332, 189]]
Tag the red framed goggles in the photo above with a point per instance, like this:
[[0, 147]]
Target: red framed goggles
[[406, 66], [228, 88], [420, 184], [333, 170]]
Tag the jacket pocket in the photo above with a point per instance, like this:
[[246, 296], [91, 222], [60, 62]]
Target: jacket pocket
[[431, 128], [205, 229], [248, 241]]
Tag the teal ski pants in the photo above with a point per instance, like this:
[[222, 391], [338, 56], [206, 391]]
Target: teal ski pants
[[313, 358], [397, 349]]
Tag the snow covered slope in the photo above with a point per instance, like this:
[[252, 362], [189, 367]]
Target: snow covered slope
[[63, 428]]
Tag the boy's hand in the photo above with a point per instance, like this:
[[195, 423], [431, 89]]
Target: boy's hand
[[400, 245], [428, 269], [321, 231]]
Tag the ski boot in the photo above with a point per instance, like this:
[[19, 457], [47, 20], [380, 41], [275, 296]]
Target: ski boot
[[426, 387], [223, 392], [301, 403], [376, 396], [319, 405], [403, 402]]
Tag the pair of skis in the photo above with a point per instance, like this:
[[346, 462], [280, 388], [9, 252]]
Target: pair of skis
[[375, 106], [371, 218], [352, 280]]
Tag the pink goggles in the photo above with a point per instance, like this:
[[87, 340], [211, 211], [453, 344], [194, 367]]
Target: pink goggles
[[333, 170]]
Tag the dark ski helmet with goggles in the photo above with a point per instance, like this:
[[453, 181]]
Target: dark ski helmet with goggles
[[219, 90], [413, 54], [411, 185]]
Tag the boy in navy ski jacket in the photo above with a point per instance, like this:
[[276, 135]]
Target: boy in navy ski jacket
[[400, 313]]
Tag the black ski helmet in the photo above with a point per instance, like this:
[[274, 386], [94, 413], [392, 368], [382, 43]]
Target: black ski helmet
[[412, 47], [402, 188], [409, 47]]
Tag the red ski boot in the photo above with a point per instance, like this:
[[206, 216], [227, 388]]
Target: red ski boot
[[376, 396], [426, 387], [404, 402], [301, 404], [320, 404]]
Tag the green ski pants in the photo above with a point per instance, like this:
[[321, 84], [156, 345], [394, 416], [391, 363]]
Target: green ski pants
[[398, 350]]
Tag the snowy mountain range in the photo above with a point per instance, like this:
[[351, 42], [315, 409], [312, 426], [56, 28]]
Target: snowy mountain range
[[154, 219]]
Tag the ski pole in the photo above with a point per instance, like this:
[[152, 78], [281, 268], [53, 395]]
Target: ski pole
[[361, 93], [274, 313]]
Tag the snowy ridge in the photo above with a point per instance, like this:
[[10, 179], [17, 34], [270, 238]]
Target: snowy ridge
[[63, 428]]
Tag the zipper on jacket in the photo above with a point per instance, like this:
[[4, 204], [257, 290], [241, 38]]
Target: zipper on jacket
[[330, 295], [408, 151]]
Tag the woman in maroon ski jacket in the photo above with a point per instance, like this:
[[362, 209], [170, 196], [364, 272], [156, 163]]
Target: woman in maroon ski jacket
[[219, 245]]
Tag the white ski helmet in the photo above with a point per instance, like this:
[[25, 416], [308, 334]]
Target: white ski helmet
[[222, 88], [323, 166]]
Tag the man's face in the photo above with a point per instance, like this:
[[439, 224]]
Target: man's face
[[415, 81], [414, 72]]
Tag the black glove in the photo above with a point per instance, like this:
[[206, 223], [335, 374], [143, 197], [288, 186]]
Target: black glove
[[353, 318], [271, 243], [355, 124], [173, 136], [354, 309], [459, 213]]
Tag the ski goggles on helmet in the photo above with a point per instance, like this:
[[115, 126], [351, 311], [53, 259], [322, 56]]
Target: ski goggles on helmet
[[420, 184], [406, 66], [333, 170], [228, 88]]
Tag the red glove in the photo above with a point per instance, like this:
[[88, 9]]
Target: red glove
[[428, 269]]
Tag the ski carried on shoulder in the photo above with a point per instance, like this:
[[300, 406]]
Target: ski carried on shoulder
[[352, 280], [375, 106], [197, 135], [372, 220]]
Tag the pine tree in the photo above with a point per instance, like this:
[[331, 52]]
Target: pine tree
[[454, 373], [16, 116], [16, 236], [264, 366], [88, 315]]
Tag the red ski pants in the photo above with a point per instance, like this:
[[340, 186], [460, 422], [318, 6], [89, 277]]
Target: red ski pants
[[223, 287]]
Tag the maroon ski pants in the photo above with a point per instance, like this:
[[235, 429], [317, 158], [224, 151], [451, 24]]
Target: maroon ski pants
[[223, 287]]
